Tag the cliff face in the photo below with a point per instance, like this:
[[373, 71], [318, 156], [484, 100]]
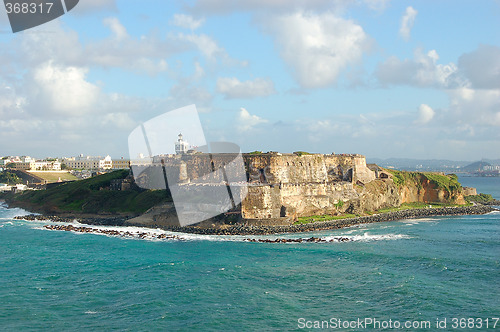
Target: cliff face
[[429, 192], [390, 189], [382, 193]]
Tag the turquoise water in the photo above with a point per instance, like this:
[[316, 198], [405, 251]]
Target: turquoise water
[[423, 269]]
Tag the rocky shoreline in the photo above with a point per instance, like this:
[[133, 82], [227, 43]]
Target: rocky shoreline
[[267, 230], [336, 224]]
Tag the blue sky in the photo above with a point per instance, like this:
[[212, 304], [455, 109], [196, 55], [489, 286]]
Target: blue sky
[[414, 79]]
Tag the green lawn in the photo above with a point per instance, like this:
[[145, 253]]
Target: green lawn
[[54, 176], [307, 220]]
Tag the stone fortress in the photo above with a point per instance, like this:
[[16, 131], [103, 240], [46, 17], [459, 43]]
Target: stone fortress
[[278, 186], [290, 185]]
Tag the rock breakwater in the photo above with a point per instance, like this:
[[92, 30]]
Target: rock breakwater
[[240, 229], [334, 224]]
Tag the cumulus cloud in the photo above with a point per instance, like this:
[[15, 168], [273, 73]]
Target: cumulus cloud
[[425, 114], [228, 6], [422, 71], [62, 110], [63, 89], [187, 21], [247, 121], [204, 43], [482, 67], [11, 103], [278, 6], [146, 54], [119, 31], [318, 47], [475, 107], [233, 88], [376, 4], [407, 22]]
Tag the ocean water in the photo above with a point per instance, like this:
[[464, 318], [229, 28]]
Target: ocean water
[[407, 271]]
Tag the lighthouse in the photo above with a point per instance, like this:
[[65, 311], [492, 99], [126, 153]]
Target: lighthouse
[[181, 146]]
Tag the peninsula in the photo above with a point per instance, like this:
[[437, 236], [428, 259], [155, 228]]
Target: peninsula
[[283, 193]]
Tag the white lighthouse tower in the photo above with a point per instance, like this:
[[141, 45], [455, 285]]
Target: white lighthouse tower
[[181, 146]]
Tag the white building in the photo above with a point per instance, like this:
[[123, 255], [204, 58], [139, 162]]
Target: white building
[[88, 162], [44, 165], [181, 146]]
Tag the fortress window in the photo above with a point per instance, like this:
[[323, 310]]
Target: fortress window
[[283, 211], [262, 176]]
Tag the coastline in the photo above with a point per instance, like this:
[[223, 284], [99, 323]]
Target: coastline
[[243, 229]]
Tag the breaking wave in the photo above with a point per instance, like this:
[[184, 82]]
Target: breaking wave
[[148, 234]]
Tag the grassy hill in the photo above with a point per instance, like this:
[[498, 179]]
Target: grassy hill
[[447, 182], [90, 196], [54, 176]]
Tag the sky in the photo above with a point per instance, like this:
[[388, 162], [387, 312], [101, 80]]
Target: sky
[[406, 79]]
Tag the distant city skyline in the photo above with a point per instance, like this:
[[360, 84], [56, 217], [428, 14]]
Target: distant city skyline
[[381, 78]]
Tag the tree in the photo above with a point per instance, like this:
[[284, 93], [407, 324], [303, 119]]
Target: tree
[[9, 178]]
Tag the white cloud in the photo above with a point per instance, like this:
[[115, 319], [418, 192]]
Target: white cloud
[[422, 71], [187, 21], [146, 54], [233, 88], [475, 107], [482, 67], [64, 89], [204, 43], [378, 5], [407, 22], [119, 31], [228, 6], [278, 6], [247, 121], [11, 104], [120, 50], [318, 47], [199, 72], [425, 114]]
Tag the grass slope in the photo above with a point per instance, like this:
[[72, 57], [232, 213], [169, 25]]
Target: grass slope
[[92, 196], [447, 182], [54, 176]]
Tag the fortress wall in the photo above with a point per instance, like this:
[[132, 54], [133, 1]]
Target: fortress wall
[[273, 168], [316, 168], [283, 185], [294, 200], [200, 167], [261, 202]]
